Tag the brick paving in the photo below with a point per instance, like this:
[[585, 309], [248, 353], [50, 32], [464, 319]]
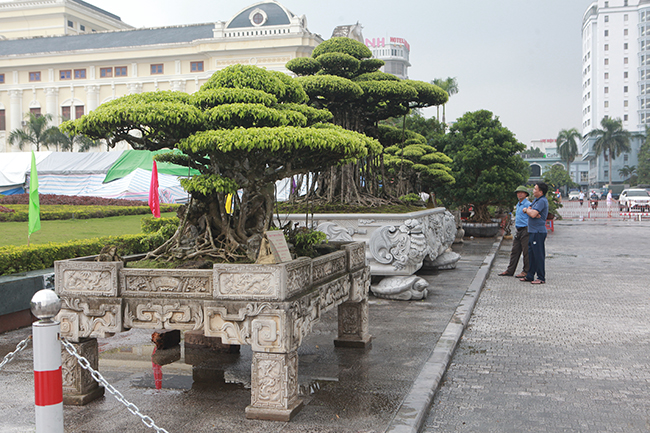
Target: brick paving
[[567, 356]]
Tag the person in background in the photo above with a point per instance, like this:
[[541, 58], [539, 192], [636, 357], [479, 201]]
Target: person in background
[[581, 197], [609, 203], [520, 239], [537, 212]]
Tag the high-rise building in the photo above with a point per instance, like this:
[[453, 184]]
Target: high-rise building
[[615, 78], [394, 52]]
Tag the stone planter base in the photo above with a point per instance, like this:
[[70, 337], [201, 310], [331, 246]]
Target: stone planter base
[[481, 230]]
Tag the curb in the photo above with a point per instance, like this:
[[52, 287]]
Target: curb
[[413, 411]]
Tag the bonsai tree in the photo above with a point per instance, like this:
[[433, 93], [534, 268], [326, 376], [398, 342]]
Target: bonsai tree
[[557, 177], [243, 130], [342, 77], [485, 163]]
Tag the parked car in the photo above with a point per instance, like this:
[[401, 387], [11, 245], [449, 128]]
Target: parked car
[[573, 195], [634, 200]]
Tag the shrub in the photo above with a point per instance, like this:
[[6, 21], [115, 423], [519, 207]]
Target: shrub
[[73, 200], [64, 212]]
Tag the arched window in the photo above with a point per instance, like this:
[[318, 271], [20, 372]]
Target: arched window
[[535, 170]]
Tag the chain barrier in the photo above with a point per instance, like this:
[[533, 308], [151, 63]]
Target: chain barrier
[[10, 356], [85, 364]]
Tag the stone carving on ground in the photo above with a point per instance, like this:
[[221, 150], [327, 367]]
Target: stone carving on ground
[[411, 288]]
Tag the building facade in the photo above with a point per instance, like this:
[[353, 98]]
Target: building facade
[[394, 52], [69, 75], [615, 78]]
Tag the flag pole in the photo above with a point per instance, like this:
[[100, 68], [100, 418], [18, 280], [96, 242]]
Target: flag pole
[[34, 204]]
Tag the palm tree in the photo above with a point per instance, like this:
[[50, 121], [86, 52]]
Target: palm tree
[[567, 146], [612, 140], [449, 85], [627, 171], [36, 131], [67, 141]]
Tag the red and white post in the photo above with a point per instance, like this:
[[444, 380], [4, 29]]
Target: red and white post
[[48, 382]]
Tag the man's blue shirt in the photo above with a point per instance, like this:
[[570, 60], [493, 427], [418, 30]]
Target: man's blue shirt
[[521, 219], [538, 225]]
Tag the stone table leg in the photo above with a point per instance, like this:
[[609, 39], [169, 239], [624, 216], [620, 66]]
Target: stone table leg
[[274, 386], [353, 325], [79, 387]]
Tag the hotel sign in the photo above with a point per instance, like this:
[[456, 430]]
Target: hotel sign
[[381, 42]]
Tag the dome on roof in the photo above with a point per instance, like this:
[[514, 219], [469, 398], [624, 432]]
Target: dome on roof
[[262, 14]]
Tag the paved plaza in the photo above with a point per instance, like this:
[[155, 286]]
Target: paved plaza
[[568, 356]]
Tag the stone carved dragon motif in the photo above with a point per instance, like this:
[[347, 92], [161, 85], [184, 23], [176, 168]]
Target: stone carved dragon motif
[[79, 320], [172, 315], [335, 232], [246, 284], [399, 245], [274, 380], [88, 281]]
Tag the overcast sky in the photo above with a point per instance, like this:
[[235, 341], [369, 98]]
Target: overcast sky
[[520, 59]]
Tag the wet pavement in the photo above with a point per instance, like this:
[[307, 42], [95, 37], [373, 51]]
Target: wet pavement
[[384, 388], [567, 356]]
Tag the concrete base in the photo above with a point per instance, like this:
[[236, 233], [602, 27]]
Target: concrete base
[[269, 414], [16, 320], [357, 344], [83, 399]]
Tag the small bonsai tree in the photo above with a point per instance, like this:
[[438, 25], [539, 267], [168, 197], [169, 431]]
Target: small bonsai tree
[[485, 163], [243, 130]]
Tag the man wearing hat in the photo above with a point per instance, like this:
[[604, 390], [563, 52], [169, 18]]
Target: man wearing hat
[[520, 239]]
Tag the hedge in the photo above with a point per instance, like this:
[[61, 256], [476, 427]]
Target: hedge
[[23, 258], [65, 212]]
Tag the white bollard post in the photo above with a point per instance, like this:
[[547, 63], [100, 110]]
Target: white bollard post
[[48, 382]]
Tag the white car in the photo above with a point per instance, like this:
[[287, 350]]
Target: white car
[[574, 195], [634, 199]]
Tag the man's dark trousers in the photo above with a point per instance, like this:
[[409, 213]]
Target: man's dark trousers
[[519, 245], [537, 254]]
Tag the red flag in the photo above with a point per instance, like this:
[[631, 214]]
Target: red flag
[[154, 201]]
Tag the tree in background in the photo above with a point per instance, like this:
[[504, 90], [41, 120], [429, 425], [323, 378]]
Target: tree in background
[[66, 141], [243, 130], [342, 77], [486, 164], [36, 130], [557, 177], [612, 140], [567, 146], [628, 173], [643, 169], [532, 153], [449, 85]]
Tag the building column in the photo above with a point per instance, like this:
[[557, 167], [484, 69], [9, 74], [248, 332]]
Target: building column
[[92, 97], [52, 104], [16, 109], [134, 88]]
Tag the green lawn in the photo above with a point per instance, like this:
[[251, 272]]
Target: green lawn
[[15, 233]]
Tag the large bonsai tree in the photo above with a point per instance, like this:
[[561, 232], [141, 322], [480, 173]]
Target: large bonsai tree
[[485, 163], [243, 130], [342, 77]]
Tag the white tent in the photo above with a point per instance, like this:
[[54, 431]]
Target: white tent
[[14, 166]]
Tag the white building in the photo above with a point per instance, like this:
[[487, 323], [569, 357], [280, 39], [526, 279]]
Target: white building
[[51, 60], [615, 77], [395, 52]]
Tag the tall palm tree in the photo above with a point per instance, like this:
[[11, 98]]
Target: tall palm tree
[[67, 141], [36, 131], [612, 140], [449, 85], [627, 171], [567, 146]]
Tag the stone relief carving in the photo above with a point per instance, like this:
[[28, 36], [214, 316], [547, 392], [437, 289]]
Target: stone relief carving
[[401, 288], [328, 266], [167, 314], [274, 380], [399, 245], [335, 232], [81, 318], [334, 292], [246, 284], [181, 282]]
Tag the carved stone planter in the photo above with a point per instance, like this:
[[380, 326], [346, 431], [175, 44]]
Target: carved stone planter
[[269, 307], [397, 244]]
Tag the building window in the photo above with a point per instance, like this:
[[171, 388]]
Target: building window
[[624, 89], [106, 72], [156, 69], [34, 76], [35, 111], [606, 89], [584, 176], [606, 33], [535, 170], [196, 66], [625, 117], [65, 113], [65, 75], [625, 74], [70, 24], [625, 103], [625, 17], [78, 111], [624, 32], [606, 18], [606, 4], [624, 2], [2, 78], [79, 74], [625, 60], [606, 47], [2, 120], [120, 71], [606, 61], [625, 46], [82, 27], [606, 104], [625, 157], [606, 173]]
